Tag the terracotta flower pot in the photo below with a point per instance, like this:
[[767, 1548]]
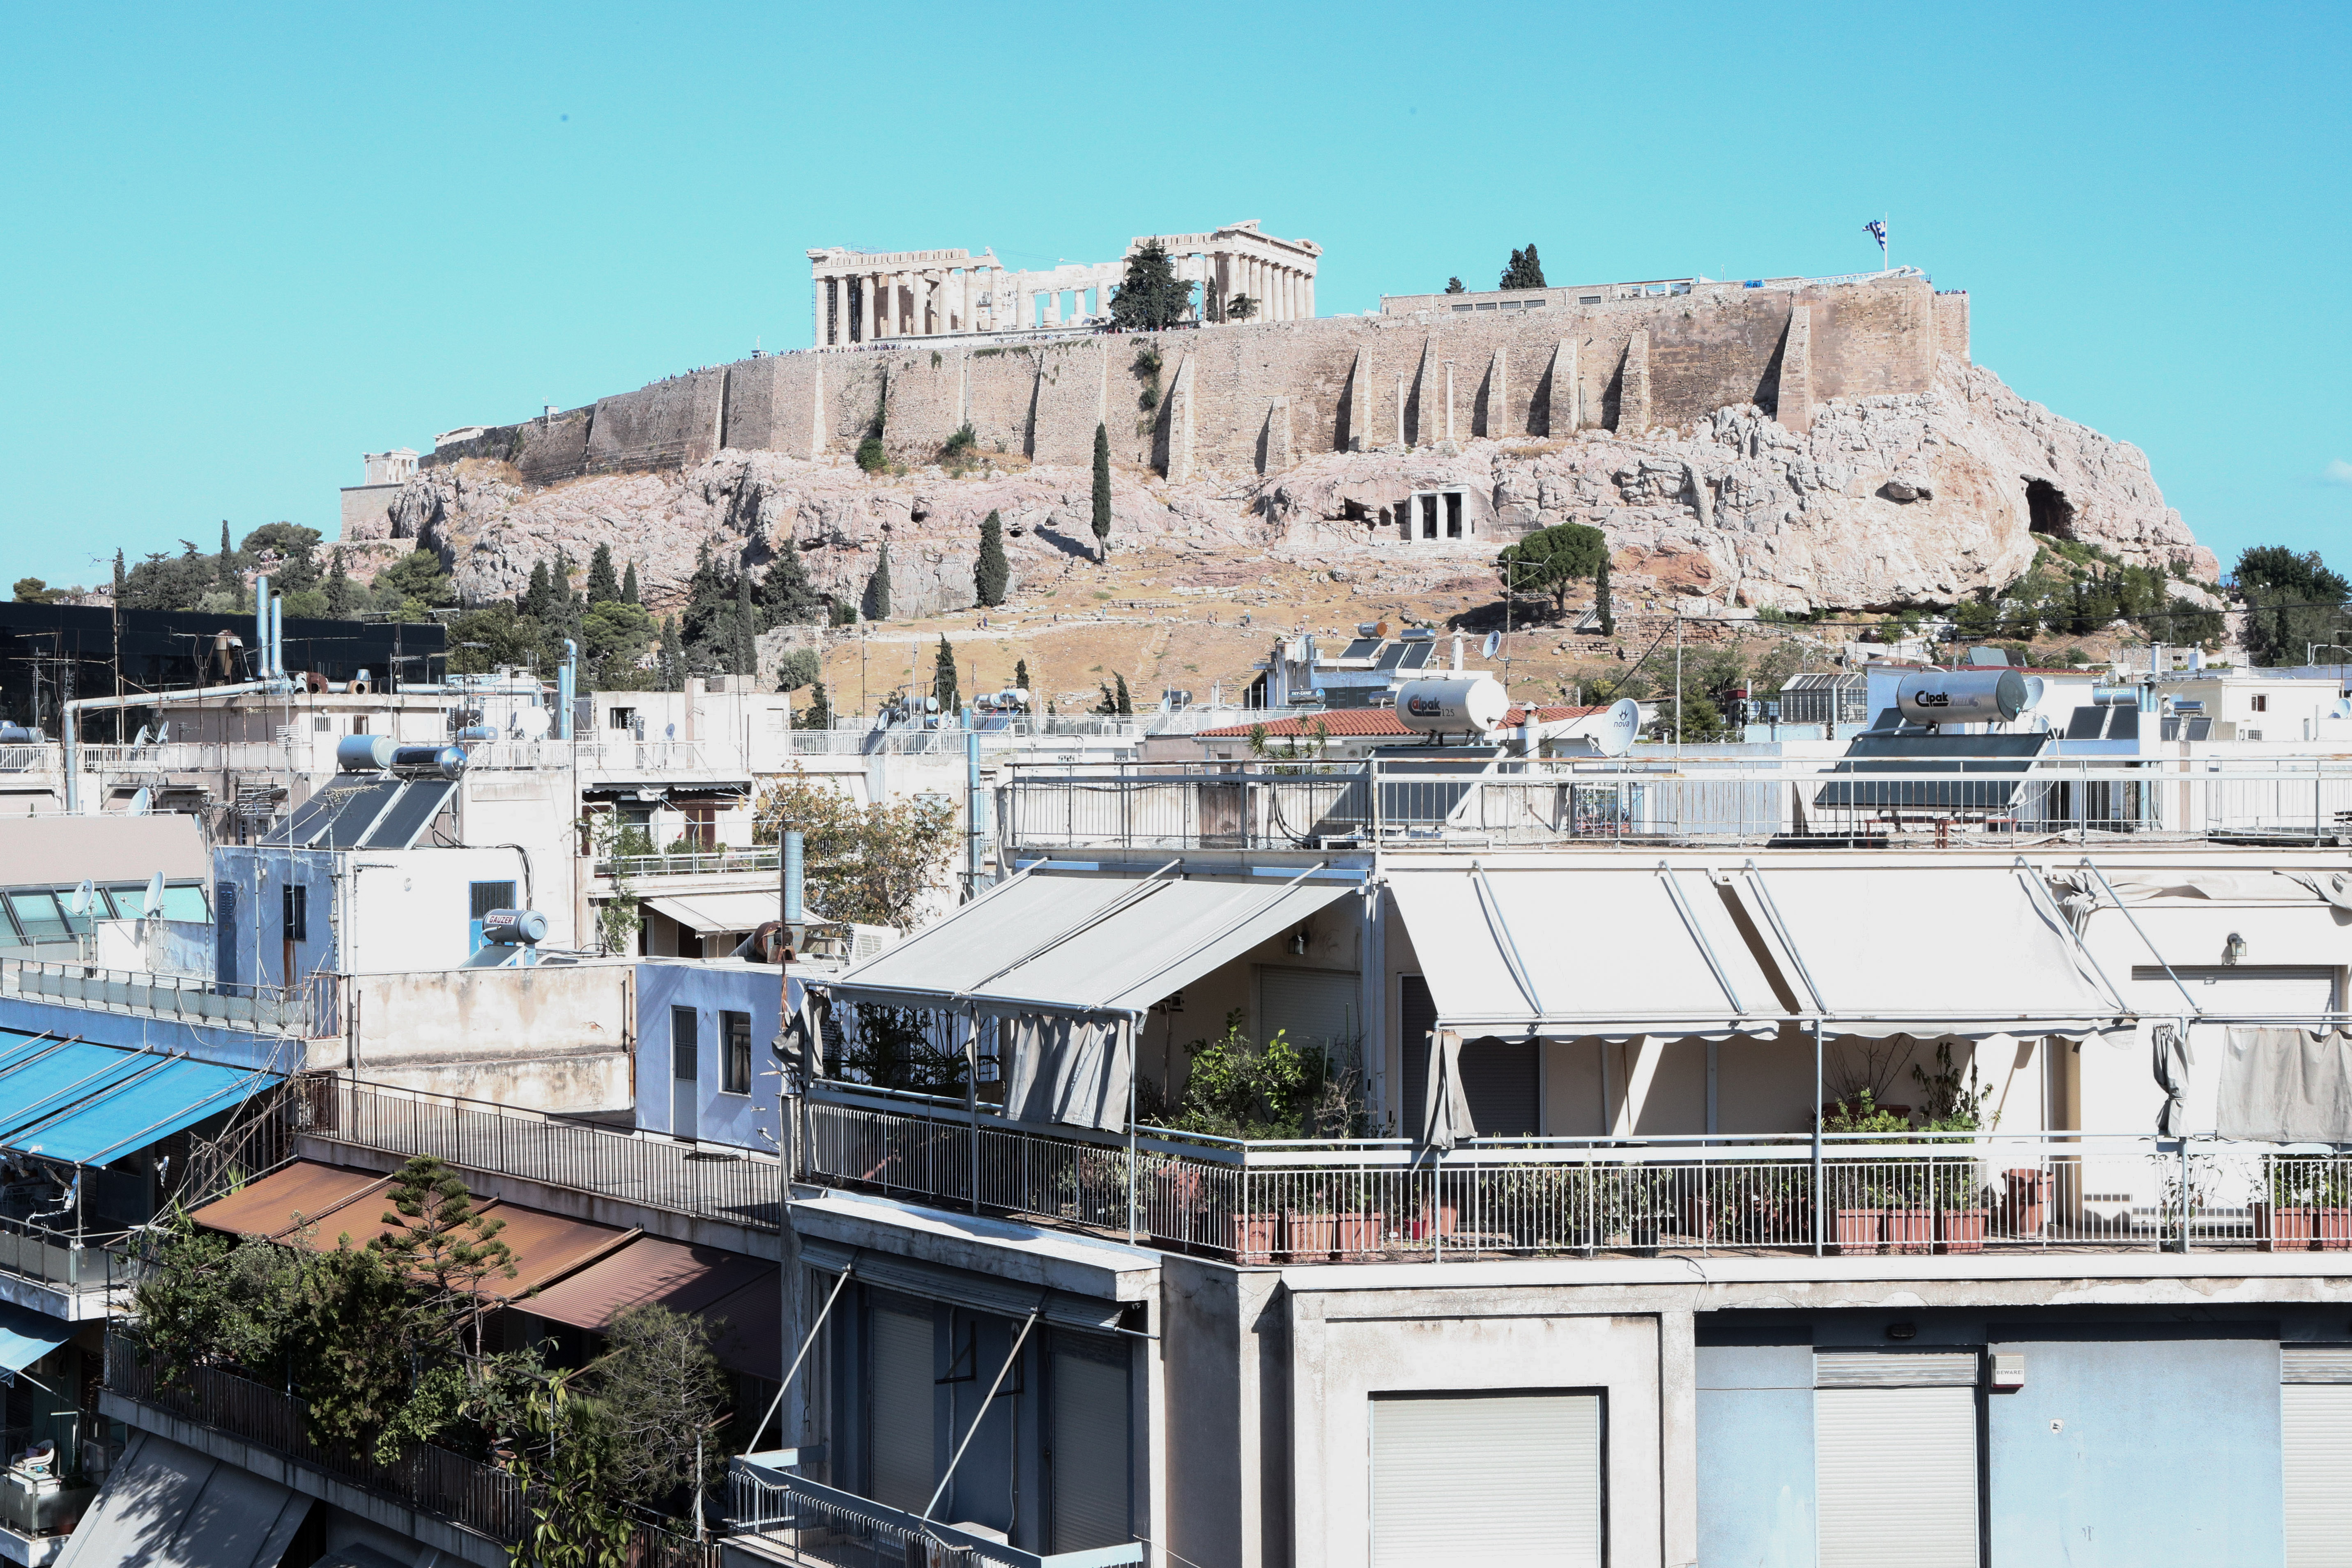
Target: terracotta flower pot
[[1359, 1234], [1312, 1237], [2028, 1191], [1255, 1235], [2279, 1229], [2335, 1230], [1910, 1230], [1446, 1223], [1963, 1230], [1857, 1230]]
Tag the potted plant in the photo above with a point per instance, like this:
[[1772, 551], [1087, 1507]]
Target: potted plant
[[1957, 1192], [1858, 1193]]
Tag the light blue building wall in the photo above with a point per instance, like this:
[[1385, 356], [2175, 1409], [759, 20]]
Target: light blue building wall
[[1756, 1456], [704, 1107]]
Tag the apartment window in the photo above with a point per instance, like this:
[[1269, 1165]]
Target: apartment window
[[1090, 1444], [2260, 702], [619, 718], [702, 825], [2315, 1440], [735, 1076], [1531, 1458], [321, 724], [297, 913]]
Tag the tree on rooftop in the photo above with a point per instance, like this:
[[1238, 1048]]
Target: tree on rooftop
[[1151, 296], [441, 1239], [1525, 271], [1551, 561], [664, 1399], [992, 573], [1102, 490], [874, 864]]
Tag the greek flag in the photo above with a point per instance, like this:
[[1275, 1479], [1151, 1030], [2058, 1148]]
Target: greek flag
[[1877, 231]]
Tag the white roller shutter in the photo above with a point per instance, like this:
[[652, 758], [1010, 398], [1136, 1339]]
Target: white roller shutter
[[1091, 1439], [1317, 1007], [900, 1412], [1912, 1415], [2247, 990], [1497, 1479], [2315, 1445]]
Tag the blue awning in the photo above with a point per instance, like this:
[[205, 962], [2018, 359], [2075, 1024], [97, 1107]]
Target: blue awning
[[26, 1336], [85, 1104]]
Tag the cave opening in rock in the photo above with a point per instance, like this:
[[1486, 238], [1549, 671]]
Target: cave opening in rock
[[2048, 511]]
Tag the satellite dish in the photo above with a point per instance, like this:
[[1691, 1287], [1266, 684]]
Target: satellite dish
[[1620, 727], [162, 731], [2340, 708], [155, 905], [139, 806], [82, 896], [2034, 687], [1494, 641], [140, 739]]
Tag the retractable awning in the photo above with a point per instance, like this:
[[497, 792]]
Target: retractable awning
[[299, 1196], [85, 1104], [726, 911], [26, 1336], [1570, 952], [168, 1506], [709, 1282], [1079, 943]]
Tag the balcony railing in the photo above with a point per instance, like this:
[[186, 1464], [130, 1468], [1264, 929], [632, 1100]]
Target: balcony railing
[[729, 1185], [693, 863], [819, 1523], [58, 1261], [1308, 804], [1386, 1200], [309, 1008], [476, 1496]]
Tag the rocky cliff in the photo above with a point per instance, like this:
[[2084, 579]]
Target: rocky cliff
[[1883, 501]]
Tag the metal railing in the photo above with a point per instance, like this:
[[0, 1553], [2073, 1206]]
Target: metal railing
[[192, 756], [819, 1523], [58, 1261], [693, 863], [1308, 1201], [34, 759], [486, 1501], [1715, 801], [731, 1185], [310, 1008]]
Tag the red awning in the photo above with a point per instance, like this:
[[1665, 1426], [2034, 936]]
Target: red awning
[[705, 1280]]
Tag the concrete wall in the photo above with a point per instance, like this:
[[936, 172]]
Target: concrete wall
[[1689, 355], [553, 1038]]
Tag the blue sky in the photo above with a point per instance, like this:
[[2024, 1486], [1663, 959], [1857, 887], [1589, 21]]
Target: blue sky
[[244, 244]]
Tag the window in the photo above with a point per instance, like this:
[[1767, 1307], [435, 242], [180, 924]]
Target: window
[[685, 1049], [619, 718], [186, 904], [1090, 1454], [296, 914], [1587, 298], [2260, 702], [323, 724], [2315, 1438], [735, 1071], [1502, 1477], [701, 826], [38, 914]]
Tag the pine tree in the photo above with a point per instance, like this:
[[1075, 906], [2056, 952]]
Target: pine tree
[[1600, 598], [786, 597], [1020, 673], [818, 714], [603, 589], [341, 597], [1151, 296], [1454, 286], [943, 678], [629, 584], [1126, 704], [1102, 490], [120, 577], [876, 607], [991, 574]]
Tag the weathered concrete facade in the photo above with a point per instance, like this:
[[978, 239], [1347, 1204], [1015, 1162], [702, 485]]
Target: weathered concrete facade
[[1253, 397]]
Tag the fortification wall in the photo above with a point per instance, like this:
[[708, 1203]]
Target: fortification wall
[[1258, 397]]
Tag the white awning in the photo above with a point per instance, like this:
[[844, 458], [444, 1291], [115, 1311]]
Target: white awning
[[1069, 943], [1929, 951], [167, 1506], [1569, 952], [709, 913]]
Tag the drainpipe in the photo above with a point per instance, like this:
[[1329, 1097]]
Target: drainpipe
[[261, 625], [972, 807], [566, 681]]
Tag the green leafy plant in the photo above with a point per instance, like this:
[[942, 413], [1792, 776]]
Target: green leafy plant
[[871, 457], [1237, 1089]]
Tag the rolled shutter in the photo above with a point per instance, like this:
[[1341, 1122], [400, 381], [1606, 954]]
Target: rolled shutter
[[1503, 1480], [2315, 1445], [1503, 1081], [1926, 1437], [1091, 1459], [900, 1413]]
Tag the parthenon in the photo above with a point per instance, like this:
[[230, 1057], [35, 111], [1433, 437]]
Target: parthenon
[[863, 297]]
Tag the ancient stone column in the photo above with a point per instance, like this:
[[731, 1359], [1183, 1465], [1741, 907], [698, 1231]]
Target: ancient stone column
[[1278, 452], [1310, 295], [872, 306], [1359, 399]]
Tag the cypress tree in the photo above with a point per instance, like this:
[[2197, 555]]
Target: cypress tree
[[534, 598], [744, 645], [786, 598], [1125, 703], [877, 590], [1601, 597], [992, 572], [629, 584], [339, 595], [1102, 490], [673, 667], [818, 714], [230, 577], [603, 589], [943, 678], [1525, 271], [1020, 673], [120, 577]]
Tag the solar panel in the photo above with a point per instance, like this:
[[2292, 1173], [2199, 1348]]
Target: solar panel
[[1393, 655], [1362, 648], [2086, 723], [420, 802], [356, 807], [1416, 655], [308, 818]]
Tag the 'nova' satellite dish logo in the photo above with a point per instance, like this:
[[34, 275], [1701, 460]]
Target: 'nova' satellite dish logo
[[1424, 707]]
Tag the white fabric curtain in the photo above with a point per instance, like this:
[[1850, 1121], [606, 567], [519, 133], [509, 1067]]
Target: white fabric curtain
[[1445, 1113], [2171, 1065], [1068, 1070], [2287, 1086]]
